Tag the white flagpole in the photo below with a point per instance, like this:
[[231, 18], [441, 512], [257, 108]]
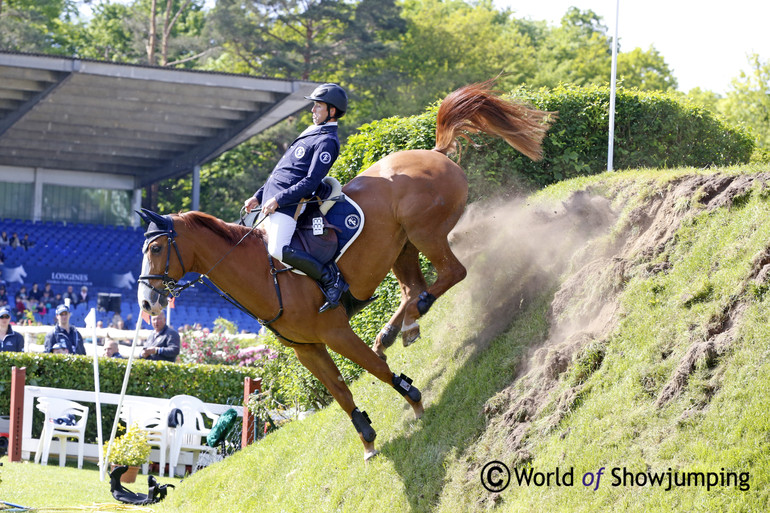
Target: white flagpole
[[122, 394], [91, 323], [613, 85]]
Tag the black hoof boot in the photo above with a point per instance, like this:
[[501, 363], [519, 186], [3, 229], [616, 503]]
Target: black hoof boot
[[404, 386], [363, 425], [424, 302], [388, 335]]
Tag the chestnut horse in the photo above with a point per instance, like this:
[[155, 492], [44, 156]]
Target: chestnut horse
[[411, 200]]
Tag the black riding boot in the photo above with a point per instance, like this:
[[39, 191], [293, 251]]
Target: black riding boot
[[328, 276]]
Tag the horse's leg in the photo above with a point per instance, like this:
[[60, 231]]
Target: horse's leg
[[349, 345], [449, 271], [316, 359], [409, 275]]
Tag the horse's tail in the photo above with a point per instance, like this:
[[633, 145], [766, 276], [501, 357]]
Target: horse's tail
[[477, 108]]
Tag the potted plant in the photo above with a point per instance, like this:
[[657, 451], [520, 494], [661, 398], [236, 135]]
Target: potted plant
[[130, 449]]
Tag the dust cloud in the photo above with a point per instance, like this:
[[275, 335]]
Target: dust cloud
[[514, 251]]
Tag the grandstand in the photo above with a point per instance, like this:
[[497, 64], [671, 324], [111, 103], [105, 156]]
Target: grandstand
[[79, 141], [107, 259]]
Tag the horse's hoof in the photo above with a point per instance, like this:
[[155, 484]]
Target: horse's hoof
[[411, 335], [370, 454], [418, 410]]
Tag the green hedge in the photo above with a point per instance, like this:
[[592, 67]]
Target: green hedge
[[220, 384], [652, 130]]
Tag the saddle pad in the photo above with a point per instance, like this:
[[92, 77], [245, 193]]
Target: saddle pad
[[349, 218]]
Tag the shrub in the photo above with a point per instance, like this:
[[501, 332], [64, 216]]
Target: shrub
[[131, 448], [656, 130]]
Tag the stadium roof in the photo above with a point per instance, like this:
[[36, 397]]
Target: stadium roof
[[149, 122]]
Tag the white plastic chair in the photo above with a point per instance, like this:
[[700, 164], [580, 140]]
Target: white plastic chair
[[190, 436], [54, 409], [153, 420]]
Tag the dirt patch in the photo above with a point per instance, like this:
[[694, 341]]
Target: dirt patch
[[561, 244]]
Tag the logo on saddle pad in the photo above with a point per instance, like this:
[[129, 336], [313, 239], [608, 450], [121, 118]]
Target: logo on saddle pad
[[352, 221]]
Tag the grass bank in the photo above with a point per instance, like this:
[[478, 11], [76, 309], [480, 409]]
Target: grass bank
[[629, 334]]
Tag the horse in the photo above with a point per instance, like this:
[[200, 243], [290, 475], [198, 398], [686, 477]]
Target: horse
[[411, 199]]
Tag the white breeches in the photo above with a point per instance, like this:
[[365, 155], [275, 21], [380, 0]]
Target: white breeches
[[279, 228]]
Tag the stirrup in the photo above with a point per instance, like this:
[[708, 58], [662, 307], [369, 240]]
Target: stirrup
[[363, 425], [403, 385]]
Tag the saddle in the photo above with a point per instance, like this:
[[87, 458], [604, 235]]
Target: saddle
[[315, 234]]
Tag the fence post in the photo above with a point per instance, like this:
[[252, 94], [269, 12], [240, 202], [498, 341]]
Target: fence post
[[247, 431], [18, 379]]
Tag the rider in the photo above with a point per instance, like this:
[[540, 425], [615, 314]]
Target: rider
[[298, 176]]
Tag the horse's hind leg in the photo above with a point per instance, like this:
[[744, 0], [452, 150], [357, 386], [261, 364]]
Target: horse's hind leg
[[449, 271], [412, 282], [316, 359]]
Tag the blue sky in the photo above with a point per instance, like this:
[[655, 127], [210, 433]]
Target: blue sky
[[705, 42]]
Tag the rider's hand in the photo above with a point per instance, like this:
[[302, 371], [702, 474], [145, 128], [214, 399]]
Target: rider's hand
[[250, 204], [270, 206]]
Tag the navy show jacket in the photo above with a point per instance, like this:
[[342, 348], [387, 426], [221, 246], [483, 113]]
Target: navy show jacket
[[299, 173]]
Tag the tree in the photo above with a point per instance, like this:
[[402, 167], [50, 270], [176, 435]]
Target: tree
[[37, 25], [748, 101], [108, 35], [577, 52], [645, 70], [303, 38]]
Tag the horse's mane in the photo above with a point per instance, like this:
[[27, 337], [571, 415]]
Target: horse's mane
[[229, 231], [478, 108]]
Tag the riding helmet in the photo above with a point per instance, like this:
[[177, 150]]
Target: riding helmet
[[333, 95]]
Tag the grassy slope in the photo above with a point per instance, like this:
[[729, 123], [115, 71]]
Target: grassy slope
[[719, 420]]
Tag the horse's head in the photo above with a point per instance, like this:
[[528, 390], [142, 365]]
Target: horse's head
[[160, 270]]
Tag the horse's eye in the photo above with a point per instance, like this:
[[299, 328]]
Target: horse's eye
[[155, 249]]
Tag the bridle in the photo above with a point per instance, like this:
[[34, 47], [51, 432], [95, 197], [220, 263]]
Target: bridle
[[163, 226], [171, 287]]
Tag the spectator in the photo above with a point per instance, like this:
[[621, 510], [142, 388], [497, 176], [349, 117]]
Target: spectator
[[4, 239], [20, 305], [58, 300], [2, 256], [34, 306], [2, 281], [9, 339], [111, 348], [35, 292], [60, 348], [163, 343], [3, 296], [26, 243], [48, 289], [47, 300], [83, 297], [70, 294], [15, 242], [64, 334]]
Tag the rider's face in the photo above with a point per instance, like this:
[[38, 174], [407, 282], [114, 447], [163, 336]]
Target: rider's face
[[320, 112]]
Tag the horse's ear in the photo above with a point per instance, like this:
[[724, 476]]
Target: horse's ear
[[161, 222], [143, 214]]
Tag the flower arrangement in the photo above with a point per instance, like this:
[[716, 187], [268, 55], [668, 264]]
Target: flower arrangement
[[130, 449], [211, 348], [254, 355]]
